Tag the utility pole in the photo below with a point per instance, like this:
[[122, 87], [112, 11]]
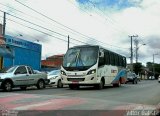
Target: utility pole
[[68, 41], [3, 37], [4, 25], [132, 51], [136, 41], [153, 65]]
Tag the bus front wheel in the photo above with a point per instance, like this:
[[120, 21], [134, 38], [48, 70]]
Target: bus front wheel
[[100, 85]]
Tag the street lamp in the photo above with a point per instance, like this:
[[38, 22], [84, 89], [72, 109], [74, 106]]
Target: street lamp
[[153, 65], [137, 48]]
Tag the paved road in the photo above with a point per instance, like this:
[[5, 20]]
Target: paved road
[[129, 99]]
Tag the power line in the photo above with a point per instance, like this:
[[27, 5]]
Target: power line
[[20, 12], [59, 33], [58, 22], [49, 18], [93, 38], [47, 29], [104, 14], [38, 30], [43, 27], [32, 16]]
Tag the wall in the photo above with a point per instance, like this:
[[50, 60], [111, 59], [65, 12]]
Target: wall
[[24, 52]]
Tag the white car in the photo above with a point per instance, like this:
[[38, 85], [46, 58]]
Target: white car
[[55, 78], [151, 77], [159, 79]]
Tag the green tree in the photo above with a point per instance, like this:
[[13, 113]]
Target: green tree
[[150, 66], [156, 66], [137, 67]]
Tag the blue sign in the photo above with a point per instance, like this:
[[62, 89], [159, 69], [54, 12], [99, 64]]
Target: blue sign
[[22, 43]]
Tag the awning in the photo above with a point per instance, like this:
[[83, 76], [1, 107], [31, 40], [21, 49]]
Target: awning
[[5, 52]]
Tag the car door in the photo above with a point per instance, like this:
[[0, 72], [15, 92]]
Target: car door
[[31, 78], [20, 75]]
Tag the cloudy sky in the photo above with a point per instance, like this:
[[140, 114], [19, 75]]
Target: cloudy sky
[[109, 23]]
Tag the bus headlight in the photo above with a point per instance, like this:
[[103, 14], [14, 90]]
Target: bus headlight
[[63, 73], [91, 72]]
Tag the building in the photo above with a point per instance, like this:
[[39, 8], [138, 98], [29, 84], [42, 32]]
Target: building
[[20, 52], [54, 61]]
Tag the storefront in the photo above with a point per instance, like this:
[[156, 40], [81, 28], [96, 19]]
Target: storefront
[[21, 52]]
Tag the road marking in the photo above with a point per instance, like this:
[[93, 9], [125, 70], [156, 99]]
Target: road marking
[[26, 107], [55, 102], [7, 95]]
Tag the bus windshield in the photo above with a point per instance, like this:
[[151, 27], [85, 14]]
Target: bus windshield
[[80, 58]]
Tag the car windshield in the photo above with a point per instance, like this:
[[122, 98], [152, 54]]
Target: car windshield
[[11, 69], [54, 72], [80, 57], [7, 70], [130, 74]]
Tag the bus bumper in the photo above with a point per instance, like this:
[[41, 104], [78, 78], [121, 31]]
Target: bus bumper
[[87, 80]]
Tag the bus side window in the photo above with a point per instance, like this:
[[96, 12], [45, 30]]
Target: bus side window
[[120, 60], [114, 59], [124, 62], [107, 57], [101, 61], [111, 58]]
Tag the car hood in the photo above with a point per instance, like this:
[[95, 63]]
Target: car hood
[[5, 75], [51, 76], [130, 77]]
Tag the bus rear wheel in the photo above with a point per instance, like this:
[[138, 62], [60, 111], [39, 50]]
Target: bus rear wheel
[[117, 84]]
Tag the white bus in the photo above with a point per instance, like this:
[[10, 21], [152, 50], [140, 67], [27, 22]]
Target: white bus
[[92, 65]]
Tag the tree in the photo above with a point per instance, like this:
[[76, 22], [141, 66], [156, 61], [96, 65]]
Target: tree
[[150, 66], [156, 68], [137, 67]]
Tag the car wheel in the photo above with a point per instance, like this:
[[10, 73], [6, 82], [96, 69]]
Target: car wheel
[[7, 86], [133, 81], [40, 84], [136, 81], [23, 88], [59, 84]]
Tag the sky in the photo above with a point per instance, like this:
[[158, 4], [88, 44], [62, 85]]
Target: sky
[[108, 23]]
